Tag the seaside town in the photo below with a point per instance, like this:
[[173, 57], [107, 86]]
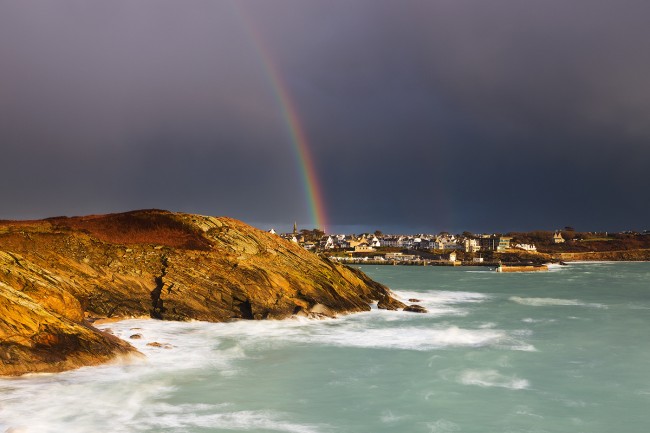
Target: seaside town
[[527, 251]]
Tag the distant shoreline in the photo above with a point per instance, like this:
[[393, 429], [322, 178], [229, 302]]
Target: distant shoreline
[[491, 264]]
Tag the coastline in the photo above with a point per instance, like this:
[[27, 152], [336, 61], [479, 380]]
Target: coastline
[[301, 375], [64, 275]]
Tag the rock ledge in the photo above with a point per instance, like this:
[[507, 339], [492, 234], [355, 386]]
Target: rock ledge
[[60, 274]]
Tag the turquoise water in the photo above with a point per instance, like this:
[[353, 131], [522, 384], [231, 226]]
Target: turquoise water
[[562, 351]]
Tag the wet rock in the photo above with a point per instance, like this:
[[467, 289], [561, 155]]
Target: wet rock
[[160, 345], [389, 303], [178, 267], [415, 308], [135, 337], [322, 311], [414, 300], [36, 339]]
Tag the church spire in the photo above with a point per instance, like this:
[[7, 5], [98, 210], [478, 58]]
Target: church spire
[[295, 228]]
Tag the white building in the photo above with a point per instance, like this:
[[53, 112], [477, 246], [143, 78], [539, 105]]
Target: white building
[[328, 243], [472, 246], [526, 247]]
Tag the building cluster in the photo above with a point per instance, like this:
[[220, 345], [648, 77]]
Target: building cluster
[[368, 242], [371, 242]]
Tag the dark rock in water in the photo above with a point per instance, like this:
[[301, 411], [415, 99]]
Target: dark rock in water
[[135, 337], [389, 303], [156, 344], [415, 308], [414, 300]]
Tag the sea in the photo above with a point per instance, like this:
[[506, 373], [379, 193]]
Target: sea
[[561, 351]]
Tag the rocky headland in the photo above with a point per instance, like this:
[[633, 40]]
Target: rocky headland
[[59, 275]]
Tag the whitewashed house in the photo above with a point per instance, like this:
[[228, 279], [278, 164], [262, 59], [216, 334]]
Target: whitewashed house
[[328, 243], [526, 247]]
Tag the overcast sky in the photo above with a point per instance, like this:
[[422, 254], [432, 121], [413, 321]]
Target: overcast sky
[[421, 115]]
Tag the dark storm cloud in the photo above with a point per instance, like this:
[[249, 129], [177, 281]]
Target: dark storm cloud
[[484, 114], [422, 115]]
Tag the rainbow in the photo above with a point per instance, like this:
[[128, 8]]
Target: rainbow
[[312, 190]]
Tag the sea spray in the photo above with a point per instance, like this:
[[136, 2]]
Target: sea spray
[[480, 361]]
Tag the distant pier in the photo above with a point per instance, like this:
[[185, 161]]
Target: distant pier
[[521, 268]]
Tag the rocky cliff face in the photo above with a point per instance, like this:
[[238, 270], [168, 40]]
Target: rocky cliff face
[[58, 275]]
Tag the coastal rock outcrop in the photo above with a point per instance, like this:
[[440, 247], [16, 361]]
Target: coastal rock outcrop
[[415, 308], [35, 338], [59, 275], [389, 303]]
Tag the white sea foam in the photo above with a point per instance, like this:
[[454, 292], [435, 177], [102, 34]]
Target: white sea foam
[[595, 262], [120, 396], [491, 378], [526, 411], [389, 417], [181, 388], [443, 426], [354, 331], [220, 345], [638, 307], [442, 296], [165, 416], [546, 302], [185, 345], [531, 320], [78, 403], [130, 397], [414, 338], [487, 325], [438, 302]]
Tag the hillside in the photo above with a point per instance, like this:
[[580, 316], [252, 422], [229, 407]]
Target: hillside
[[59, 275]]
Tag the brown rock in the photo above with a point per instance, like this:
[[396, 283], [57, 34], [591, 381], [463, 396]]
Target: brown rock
[[33, 338], [160, 345], [415, 308], [178, 267], [389, 303], [135, 337], [414, 300], [320, 310]]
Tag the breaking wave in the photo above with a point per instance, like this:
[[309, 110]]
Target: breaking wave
[[491, 378], [546, 302]]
